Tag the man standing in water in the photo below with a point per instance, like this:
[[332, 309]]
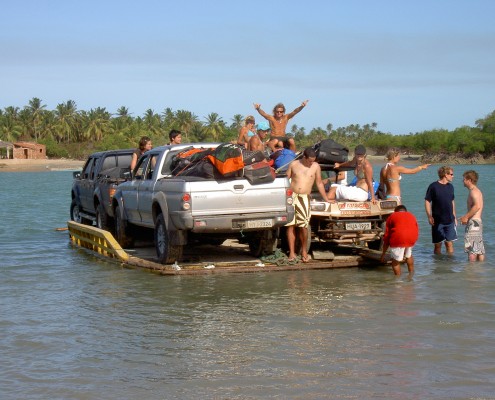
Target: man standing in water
[[278, 123], [303, 174], [473, 238], [440, 210]]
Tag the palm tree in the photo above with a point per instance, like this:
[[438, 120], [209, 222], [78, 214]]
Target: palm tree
[[66, 117], [35, 109], [214, 126], [185, 120], [10, 127], [97, 124], [237, 122], [152, 121]]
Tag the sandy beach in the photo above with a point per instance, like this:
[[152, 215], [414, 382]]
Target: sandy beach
[[20, 165]]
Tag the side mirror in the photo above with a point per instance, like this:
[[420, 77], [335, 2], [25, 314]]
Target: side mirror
[[76, 174]]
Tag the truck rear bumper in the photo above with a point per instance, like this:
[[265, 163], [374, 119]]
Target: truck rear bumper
[[231, 223]]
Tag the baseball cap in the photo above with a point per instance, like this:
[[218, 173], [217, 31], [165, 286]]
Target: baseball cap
[[263, 126], [360, 150]]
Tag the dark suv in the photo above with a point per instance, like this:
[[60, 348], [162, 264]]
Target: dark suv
[[93, 187]]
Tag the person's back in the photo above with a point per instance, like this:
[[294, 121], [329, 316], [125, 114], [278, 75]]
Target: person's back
[[402, 229]]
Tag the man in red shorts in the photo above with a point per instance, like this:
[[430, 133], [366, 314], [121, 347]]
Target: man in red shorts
[[401, 234]]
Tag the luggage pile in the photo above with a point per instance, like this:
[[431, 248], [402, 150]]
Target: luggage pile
[[227, 161]]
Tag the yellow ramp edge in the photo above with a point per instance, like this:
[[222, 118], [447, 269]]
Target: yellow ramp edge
[[99, 240]]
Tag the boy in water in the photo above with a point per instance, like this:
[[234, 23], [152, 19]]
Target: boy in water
[[473, 238]]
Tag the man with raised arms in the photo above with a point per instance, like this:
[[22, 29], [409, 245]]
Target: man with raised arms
[[278, 123]]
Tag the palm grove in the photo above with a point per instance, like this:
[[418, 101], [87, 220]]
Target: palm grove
[[72, 133]]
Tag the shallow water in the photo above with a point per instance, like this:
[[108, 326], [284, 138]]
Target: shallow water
[[75, 326]]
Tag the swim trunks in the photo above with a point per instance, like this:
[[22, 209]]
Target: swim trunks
[[473, 238], [302, 209], [443, 232]]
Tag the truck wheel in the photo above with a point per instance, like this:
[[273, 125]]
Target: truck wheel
[[166, 252], [264, 244], [102, 218], [75, 214], [121, 231]]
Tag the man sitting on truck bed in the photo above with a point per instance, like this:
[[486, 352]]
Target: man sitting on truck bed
[[364, 179]]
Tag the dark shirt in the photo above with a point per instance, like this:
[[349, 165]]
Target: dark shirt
[[441, 197]]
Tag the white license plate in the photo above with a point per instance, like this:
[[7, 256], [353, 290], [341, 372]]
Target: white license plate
[[358, 226], [259, 223]]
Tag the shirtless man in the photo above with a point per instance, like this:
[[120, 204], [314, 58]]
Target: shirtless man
[[302, 174], [364, 183], [473, 238], [257, 142], [278, 122]]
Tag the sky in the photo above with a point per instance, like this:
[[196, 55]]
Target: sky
[[408, 66]]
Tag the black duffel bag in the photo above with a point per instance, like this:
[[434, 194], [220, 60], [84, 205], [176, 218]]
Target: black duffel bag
[[328, 151]]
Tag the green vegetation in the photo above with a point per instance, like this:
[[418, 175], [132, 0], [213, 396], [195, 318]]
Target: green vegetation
[[68, 132]]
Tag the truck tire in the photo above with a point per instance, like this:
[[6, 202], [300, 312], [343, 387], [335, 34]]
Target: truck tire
[[75, 214], [121, 231], [102, 218], [263, 244], [166, 252]]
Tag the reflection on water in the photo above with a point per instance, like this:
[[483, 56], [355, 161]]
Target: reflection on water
[[75, 326]]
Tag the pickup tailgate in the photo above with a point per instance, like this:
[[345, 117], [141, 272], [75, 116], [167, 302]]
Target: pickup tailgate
[[237, 197]]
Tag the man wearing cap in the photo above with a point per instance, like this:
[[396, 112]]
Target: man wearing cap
[[363, 187], [257, 142]]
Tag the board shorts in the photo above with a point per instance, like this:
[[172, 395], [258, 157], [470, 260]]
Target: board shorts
[[351, 193], [302, 210], [473, 237], [399, 253], [443, 232]]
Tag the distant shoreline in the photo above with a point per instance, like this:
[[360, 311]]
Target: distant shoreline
[[22, 165]]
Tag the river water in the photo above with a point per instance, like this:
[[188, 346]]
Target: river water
[[74, 326]]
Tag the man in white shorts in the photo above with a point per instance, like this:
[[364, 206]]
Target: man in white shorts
[[401, 234]]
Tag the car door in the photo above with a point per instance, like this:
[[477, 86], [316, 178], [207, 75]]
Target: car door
[[130, 190], [145, 191], [88, 176]]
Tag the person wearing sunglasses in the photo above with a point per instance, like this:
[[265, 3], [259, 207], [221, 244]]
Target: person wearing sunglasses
[[440, 210], [278, 123]]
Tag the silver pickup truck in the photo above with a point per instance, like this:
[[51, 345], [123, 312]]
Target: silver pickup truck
[[189, 209]]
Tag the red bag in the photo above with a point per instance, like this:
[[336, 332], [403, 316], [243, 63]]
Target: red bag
[[259, 173]]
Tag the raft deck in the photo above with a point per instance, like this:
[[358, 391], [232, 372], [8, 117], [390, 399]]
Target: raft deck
[[230, 257]]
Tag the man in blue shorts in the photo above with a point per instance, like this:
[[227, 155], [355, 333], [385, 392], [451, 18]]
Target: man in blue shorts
[[440, 210]]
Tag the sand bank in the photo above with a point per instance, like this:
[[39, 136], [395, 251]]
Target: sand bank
[[19, 165]]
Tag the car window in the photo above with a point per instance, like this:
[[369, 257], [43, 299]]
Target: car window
[[124, 160], [88, 168], [109, 162], [140, 169]]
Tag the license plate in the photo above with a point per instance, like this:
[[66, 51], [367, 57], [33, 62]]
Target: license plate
[[259, 223], [358, 226]]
